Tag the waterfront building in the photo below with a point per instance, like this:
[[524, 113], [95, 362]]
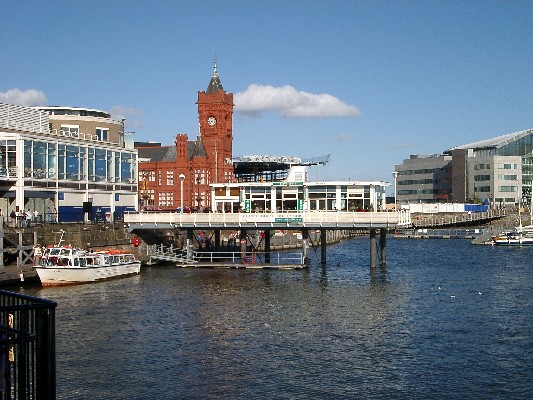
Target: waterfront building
[[296, 193], [65, 164], [424, 179], [498, 171], [182, 172]]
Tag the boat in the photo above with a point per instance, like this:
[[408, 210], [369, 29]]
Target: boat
[[519, 236], [64, 265]]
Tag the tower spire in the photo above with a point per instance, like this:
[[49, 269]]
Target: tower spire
[[214, 85], [215, 73]]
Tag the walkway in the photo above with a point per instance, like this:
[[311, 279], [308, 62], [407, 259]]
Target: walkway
[[276, 220]]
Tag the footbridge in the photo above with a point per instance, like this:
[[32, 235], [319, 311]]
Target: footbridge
[[141, 223]]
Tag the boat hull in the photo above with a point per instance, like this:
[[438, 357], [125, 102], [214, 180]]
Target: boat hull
[[503, 242], [56, 276]]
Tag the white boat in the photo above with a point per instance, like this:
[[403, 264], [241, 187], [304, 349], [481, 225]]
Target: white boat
[[520, 236], [65, 265]]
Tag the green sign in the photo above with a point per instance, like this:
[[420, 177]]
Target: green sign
[[288, 220]]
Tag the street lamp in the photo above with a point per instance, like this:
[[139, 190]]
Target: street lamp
[[182, 178], [395, 176]]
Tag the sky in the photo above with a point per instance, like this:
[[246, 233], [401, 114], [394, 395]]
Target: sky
[[367, 82]]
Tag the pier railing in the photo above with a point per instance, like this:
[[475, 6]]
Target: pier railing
[[225, 258], [436, 220], [27, 347], [304, 219]]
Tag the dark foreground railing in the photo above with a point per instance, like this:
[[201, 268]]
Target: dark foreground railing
[[27, 347]]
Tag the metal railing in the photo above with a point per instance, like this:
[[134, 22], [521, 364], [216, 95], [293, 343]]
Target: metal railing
[[27, 347], [183, 257]]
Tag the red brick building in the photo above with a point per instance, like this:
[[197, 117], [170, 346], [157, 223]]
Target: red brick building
[[208, 159]]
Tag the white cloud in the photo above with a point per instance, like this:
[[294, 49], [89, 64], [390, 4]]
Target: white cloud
[[129, 114], [291, 103], [342, 137], [122, 112], [30, 97]]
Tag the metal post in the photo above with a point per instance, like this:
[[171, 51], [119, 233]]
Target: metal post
[[267, 246], [305, 246], [395, 175], [383, 246], [217, 239], [373, 248], [182, 178], [323, 244]]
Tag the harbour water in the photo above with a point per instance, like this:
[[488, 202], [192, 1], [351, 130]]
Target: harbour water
[[445, 320]]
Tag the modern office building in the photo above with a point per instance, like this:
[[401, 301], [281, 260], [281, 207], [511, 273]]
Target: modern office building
[[424, 179], [182, 172], [65, 163], [498, 171]]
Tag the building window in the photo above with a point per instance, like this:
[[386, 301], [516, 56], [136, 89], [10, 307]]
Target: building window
[[166, 199], [70, 130], [102, 134], [507, 166], [127, 167], [482, 189], [479, 178], [199, 177], [508, 177], [73, 163], [170, 178], [507, 189]]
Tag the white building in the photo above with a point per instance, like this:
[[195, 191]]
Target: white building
[[297, 194], [67, 161]]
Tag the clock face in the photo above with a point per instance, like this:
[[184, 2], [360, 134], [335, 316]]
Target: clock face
[[211, 121]]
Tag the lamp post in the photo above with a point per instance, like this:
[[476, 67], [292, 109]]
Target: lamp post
[[395, 176], [182, 178]]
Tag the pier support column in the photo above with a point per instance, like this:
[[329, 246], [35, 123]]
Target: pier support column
[[373, 248], [243, 242], [383, 246], [217, 239], [323, 244], [305, 246], [267, 246]]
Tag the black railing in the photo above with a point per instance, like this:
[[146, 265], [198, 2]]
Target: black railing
[[27, 347]]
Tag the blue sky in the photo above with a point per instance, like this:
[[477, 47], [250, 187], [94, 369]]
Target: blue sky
[[369, 82]]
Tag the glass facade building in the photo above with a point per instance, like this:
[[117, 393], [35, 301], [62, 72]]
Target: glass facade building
[[498, 171], [65, 170]]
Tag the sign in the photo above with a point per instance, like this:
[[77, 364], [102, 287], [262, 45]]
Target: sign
[[287, 183], [272, 217]]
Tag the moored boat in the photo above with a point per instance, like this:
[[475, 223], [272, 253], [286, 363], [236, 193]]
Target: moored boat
[[63, 265], [520, 236]]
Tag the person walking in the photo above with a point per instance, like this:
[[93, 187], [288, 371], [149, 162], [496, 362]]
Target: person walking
[[13, 216]]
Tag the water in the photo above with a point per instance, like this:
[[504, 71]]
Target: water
[[445, 320]]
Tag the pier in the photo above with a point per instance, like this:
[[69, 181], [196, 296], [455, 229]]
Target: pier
[[156, 227]]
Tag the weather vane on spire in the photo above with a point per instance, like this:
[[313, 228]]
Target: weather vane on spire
[[215, 73]]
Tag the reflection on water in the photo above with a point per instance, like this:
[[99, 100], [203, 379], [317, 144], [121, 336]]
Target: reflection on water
[[418, 329]]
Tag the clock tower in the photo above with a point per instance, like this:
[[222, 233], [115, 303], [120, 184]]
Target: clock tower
[[215, 118]]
